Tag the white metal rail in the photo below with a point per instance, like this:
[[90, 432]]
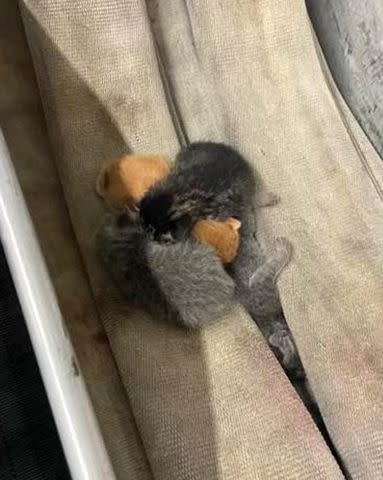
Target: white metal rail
[[78, 429]]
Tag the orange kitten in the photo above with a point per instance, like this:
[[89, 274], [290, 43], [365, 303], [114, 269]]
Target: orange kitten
[[223, 236], [123, 183]]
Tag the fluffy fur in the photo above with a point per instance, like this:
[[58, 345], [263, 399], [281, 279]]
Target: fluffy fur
[[184, 283], [223, 236], [123, 183], [208, 180], [255, 276], [181, 282]]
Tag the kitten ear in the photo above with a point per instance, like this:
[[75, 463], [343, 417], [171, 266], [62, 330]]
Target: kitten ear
[[234, 223]]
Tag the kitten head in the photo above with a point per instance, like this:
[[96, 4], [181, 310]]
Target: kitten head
[[222, 235]]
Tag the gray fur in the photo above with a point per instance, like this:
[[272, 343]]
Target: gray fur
[[181, 282], [208, 180], [255, 276]]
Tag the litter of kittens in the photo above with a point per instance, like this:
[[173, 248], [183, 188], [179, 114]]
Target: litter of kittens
[[209, 196], [178, 222]]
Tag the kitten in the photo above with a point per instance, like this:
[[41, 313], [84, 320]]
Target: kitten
[[179, 282], [208, 180], [212, 180], [184, 282]]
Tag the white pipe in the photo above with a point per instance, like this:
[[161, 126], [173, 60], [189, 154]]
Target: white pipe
[[76, 423]]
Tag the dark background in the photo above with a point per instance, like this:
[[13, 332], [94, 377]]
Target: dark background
[[29, 444]]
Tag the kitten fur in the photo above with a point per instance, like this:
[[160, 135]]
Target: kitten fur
[[212, 180], [208, 180], [123, 183], [255, 277], [182, 283], [222, 236]]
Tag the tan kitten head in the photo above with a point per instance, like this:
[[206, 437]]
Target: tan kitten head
[[222, 235], [124, 182]]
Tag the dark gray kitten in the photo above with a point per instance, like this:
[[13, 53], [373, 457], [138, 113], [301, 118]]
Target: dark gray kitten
[[186, 277], [182, 282], [185, 283], [208, 180]]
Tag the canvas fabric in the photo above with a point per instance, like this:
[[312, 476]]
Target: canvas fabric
[[130, 76]]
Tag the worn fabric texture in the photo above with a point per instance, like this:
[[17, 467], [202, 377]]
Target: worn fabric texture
[[23, 125], [124, 76]]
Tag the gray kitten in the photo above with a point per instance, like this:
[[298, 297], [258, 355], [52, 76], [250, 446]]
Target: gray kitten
[[184, 280], [182, 283], [212, 180]]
